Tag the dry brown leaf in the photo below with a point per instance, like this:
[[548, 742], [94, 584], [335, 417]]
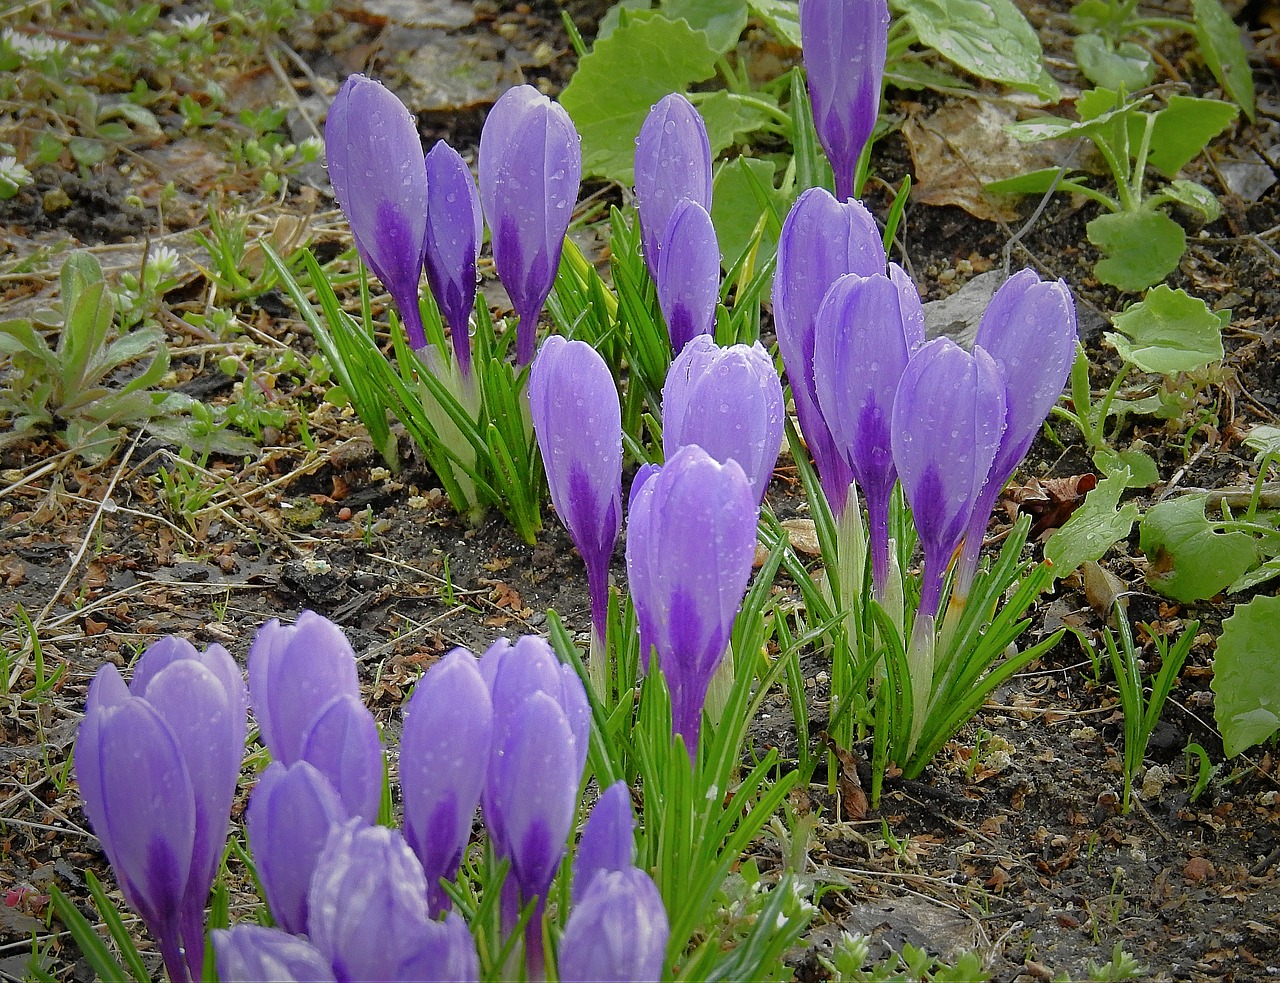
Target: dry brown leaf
[[803, 536], [1049, 501]]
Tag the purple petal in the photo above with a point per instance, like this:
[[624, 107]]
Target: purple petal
[[454, 232], [577, 420], [821, 241], [673, 163], [447, 954], [342, 742], [379, 175], [948, 417], [729, 402], [688, 276], [444, 749], [367, 903], [251, 953], [608, 839], [617, 932], [295, 671], [290, 813], [530, 168], [844, 43]]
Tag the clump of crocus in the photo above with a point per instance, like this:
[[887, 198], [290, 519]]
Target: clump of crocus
[[690, 545], [948, 418], [845, 43], [453, 235], [448, 728], [729, 402], [688, 277], [379, 175], [530, 167], [578, 422], [822, 239], [542, 724], [1029, 328], [306, 699], [157, 763], [368, 920], [673, 164], [290, 813], [608, 839], [867, 329]]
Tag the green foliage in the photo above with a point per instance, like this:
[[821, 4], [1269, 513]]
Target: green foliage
[[1193, 557], [1141, 714], [1141, 245], [1121, 966], [850, 962], [1168, 332], [1094, 527], [68, 387], [1108, 57]]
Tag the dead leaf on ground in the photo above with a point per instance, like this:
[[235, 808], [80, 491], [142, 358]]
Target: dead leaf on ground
[[853, 798], [963, 146], [1103, 589], [1049, 501]]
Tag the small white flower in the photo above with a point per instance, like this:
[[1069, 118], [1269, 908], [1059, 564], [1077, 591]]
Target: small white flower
[[164, 260], [190, 25], [32, 46], [12, 176]]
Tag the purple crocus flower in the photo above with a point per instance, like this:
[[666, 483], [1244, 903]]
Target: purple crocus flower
[[845, 43], [446, 954], [343, 743], [379, 175], [290, 813], [578, 422], [454, 231], [948, 417], [368, 903], [688, 274], [690, 545], [251, 953], [1029, 328], [617, 932], [729, 402], [542, 725], [867, 329], [608, 839], [821, 241], [448, 728], [530, 167], [157, 764], [294, 672], [673, 163]]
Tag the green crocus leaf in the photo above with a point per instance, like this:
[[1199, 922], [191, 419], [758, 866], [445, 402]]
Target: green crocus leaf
[[1190, 558], [621, 78], [1168, 332], [1141, 248], [1224, 52], [1246, 676], [1094, 527]]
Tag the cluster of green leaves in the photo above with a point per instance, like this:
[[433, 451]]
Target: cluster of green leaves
[[1107, 55], [1141, 244], [1246, 676], [67, 386]]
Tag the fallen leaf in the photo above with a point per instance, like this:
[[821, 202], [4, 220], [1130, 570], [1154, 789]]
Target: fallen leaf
[[1049, 501], [1198, 869], [1103, 589], [803, 536]]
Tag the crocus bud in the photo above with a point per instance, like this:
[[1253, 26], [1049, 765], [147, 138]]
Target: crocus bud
[[673, 163], [542, 724], [290, 813], [367, 903], [1029, 328], [822, 239], [343, 744], [251, 953], [157, 764], [448, 729], [608, 839], [294, 672], [690, 545], [618, 931], [867, 329], [578, 422], [729, 402], [688, 276], [447, 954], [530, 167], [845, 43], [454, 231], [948, 417], [379, 175]]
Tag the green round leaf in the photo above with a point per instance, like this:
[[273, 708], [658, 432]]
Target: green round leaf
[[1141, 248], [1246, 675], [1169, 332]]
